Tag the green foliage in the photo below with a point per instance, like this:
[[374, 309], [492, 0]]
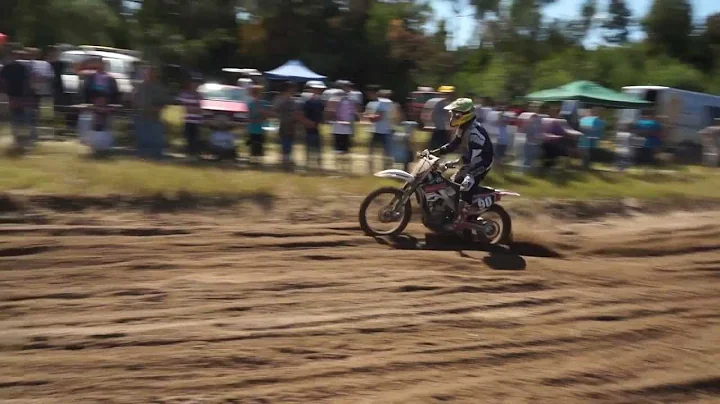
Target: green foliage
[[385, 42], [552, 72], [45, 22], [668, 72], [668, 26], [616, 26]]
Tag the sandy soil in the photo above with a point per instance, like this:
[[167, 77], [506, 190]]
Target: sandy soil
[[189, 308]]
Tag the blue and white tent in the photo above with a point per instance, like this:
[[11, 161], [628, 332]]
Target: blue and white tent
[[293, 70]]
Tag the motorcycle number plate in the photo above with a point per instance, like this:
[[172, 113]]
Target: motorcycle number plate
[[484, 201]]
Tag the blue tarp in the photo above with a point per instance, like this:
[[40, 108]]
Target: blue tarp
[[293, 70]]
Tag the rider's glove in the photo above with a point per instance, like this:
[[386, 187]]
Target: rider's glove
[[467, 183], [424, 153]]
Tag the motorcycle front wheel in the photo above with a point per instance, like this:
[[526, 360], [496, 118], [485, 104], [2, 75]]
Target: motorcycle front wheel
[[389, 213]]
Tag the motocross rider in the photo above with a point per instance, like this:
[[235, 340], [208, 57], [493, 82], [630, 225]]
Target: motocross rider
[[476, 155]]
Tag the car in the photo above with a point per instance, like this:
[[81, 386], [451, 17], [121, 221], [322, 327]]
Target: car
[[417, 102], [243, 77], [223, 103], [119, 63]]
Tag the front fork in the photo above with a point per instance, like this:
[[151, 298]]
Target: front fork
[[408, 189]]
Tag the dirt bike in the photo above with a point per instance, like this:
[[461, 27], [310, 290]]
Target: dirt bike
[[439, 199]]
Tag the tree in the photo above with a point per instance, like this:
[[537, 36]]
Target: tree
[[588, 11], [712, 33], [616, 26], [576, 30], [668, 26], [441, 35], [712, 28], [673, 73]]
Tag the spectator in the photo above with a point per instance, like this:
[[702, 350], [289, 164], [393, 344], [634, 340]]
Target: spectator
[[15, 82], [440, 118], [308, 90], [400, 141], [341, 110], [137, 74], [623, 146], [478, 105], [191, 100], [258, 113], [503, 138], [60, 100], [402, 147], [357, 98], [558, 139], [570, 113], [244, 83], [396, 114], [42, 71], [379, 112], [711, 144], [41, 76], [222, 140], [96, 133], [650, 129], [287, 112], [355, 95], [313, 109], [149, 100], [100, 84], [592, 128], [533, 135], [486, 106], [333, 91], [100, 90]]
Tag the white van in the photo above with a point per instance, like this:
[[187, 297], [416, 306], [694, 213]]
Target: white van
[[119, 63], [687, 112]]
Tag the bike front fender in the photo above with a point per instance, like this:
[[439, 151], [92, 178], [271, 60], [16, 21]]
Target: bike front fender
[[395, 174]]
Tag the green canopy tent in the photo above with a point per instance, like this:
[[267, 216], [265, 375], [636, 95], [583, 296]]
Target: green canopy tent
[[590, 93]]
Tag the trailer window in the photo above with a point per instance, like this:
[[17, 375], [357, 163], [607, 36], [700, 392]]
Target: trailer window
[[651, 95]]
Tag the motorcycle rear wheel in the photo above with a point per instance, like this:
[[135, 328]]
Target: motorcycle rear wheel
[[404, 219], [499, 219]]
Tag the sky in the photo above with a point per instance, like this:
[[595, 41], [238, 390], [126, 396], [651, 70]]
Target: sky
[[463, 27]]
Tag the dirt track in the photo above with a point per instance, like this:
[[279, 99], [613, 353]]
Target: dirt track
[[131, 308]]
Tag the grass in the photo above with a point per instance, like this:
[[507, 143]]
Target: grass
[[61, 168]]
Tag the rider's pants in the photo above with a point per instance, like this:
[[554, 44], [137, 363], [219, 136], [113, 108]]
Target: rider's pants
[[467, 196]]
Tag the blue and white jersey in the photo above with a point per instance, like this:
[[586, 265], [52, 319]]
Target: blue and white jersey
[[475, 147]]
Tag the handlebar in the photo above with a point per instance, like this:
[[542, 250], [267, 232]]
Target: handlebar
[[435, 160]]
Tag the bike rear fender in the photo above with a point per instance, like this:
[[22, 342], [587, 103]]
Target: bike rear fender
[[500, 194], [395, 174]]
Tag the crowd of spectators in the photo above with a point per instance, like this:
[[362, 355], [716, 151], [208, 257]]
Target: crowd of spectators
[[31, 78]]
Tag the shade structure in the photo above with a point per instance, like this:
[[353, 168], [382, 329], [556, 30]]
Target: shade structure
[[588, 93], [293, 70]]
